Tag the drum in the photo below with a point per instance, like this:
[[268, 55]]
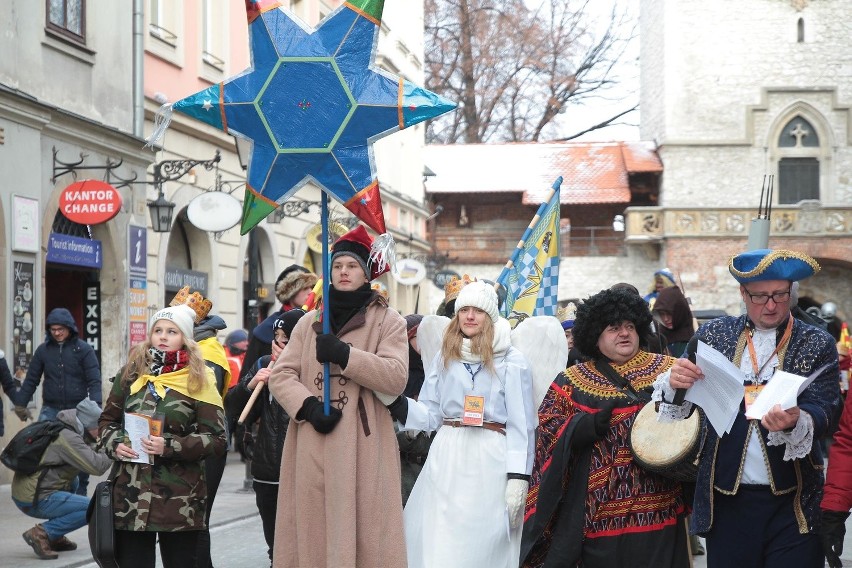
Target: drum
[[667, 448]]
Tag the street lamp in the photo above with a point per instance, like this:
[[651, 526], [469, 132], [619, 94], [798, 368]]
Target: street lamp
[[172, 170], [244, 146], [161, 213]]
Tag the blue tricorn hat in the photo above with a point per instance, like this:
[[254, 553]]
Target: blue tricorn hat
[[766, 264]]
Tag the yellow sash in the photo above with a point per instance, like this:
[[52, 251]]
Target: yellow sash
[[177, 380]]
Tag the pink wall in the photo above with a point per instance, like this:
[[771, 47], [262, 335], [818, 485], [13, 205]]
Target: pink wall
[[177, 82]]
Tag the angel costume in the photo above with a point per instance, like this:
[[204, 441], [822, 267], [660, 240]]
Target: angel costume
[[456, 514]]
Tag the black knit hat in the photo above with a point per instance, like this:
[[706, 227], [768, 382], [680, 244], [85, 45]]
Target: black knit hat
[[287, 321], [606, 308]]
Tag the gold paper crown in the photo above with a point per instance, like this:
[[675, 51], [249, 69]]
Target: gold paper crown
[[199, 304], [567, 313], [381, 289], [454, 286]]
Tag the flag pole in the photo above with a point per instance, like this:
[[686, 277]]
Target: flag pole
[[326, 308], [511, 264]]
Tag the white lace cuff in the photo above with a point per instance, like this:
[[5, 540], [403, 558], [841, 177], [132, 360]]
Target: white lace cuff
[[799, 441], [663, 391]]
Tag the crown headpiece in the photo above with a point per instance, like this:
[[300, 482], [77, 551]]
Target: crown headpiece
[[454, 286], [199, 304]]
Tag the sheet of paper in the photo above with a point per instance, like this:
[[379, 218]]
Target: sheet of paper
[[720, 392], [782, 388], [137, 427]]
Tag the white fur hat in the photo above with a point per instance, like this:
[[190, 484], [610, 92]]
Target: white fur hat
[[479, 295], [181, 315]]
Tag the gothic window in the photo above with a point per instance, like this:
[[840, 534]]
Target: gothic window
[[798, 168], [67, 18]]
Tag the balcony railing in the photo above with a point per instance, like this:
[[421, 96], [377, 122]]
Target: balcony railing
[[581, 241], [806, 219]]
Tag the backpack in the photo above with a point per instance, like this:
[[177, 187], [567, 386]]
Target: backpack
[[25, 450]]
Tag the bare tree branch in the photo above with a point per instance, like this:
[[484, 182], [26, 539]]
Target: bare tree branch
[[513, 70]]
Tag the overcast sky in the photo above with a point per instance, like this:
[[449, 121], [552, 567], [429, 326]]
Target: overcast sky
[[579, 118]]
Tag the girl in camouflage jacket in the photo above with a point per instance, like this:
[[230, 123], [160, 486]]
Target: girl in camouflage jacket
[[165, 379]]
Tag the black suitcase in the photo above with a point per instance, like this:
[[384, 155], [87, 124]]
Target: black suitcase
[[101, 526]]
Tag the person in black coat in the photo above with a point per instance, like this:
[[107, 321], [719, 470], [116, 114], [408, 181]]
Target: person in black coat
[[272, 423], [10, 386], [413, 445], [69, 365]]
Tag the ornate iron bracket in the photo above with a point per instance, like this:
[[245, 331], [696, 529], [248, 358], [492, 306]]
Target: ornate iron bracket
[[173, 170], [61, 168]]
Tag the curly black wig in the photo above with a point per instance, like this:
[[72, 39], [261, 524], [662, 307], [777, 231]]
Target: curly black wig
[[605, 308]]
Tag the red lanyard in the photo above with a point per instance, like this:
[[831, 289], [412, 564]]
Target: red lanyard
[[784, 339]]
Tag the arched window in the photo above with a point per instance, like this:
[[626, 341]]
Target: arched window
[[800, 30], [798, 175]]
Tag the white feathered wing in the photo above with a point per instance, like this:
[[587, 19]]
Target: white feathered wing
[[542, 341], [430, 334]]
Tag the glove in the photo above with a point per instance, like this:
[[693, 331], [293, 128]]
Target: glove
[[592, 427], [386, 399], [516, 494], [602, 418], [399, 409], [331, 350], [312, 411], [23, 413], [832, 532]]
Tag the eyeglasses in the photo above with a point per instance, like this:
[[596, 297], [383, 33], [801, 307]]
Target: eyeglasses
[[761, 299], [57, 329]]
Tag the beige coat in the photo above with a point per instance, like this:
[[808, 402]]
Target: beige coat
[[339, 500]]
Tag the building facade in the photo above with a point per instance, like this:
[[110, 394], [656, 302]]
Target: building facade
[[731, 100]]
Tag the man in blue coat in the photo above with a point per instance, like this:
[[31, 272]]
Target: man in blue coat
[[70, 369], [759, 486]]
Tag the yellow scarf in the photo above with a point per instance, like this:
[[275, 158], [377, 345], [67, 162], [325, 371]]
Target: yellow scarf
[[177, 380]]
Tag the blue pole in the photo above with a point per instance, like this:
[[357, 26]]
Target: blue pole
[[326, 280]]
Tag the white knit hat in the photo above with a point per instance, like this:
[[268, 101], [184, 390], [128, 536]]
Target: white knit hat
[[181, 315], [479, 295]]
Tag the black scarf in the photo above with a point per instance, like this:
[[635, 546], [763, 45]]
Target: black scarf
[[344, 305], [168, 361]]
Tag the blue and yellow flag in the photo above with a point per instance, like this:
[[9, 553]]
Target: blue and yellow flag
[[531, 277]]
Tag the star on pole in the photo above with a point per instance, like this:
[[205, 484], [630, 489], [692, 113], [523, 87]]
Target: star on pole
[[313, 103]]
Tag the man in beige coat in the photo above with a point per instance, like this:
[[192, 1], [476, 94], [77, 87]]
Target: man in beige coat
[[339, 499]]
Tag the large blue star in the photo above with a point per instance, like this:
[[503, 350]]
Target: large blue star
[[313, 103]]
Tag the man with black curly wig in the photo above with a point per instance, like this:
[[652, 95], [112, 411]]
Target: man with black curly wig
[[589, 502]]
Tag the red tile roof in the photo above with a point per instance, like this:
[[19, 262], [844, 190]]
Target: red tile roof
[[593, 172]]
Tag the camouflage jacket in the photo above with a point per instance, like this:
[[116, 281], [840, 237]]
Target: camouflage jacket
[[170, 494]]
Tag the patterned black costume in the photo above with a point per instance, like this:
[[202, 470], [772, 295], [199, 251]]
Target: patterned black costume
[[595, 506]]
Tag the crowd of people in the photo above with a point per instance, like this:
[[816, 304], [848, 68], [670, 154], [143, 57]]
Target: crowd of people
[[382, 440]]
